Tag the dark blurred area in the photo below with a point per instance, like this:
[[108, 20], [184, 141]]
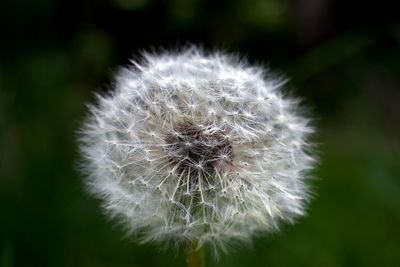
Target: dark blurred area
[[342, 58]]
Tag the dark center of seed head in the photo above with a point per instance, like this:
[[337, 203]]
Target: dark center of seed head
[[195, 149]]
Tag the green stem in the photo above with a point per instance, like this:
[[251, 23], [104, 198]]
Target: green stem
[[195, 256]]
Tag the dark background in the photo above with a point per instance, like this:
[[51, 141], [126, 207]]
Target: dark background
[[343, 59]]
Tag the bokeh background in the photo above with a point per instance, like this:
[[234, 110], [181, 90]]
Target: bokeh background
[[342, 57]]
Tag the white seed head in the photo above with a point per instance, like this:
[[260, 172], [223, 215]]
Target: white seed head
[[197, 148]]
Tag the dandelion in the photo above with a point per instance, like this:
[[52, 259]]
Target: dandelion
[[199, 149]]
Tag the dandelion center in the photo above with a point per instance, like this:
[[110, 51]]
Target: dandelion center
[[194, 148]]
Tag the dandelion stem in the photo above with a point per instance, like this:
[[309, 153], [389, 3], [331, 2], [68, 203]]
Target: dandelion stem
[[195, 256]]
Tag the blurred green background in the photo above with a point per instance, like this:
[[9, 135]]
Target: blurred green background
[[343, 59]]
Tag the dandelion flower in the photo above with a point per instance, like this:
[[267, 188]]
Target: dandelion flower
[[200, 148]]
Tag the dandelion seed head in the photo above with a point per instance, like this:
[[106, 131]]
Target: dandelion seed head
[[196, 147]]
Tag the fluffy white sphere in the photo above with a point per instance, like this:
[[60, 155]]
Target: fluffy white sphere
[[197, 148]]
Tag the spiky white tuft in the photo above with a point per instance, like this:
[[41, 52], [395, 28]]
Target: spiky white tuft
[[197, 148]]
